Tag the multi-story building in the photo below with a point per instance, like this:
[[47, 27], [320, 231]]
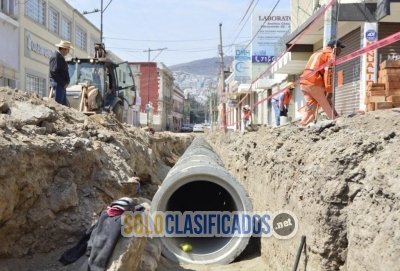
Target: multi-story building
[[134, 109], [156, 87], [43, 23], [165, 92], [177, 114], [9, 45], [359, 25]]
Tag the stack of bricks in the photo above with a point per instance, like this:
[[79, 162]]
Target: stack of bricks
[[386, 93]]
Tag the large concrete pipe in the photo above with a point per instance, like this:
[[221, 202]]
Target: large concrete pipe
[[199, 182]]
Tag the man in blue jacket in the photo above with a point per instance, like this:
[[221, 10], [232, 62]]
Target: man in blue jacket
[[59, 76]]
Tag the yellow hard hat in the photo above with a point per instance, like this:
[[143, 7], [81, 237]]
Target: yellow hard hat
[[290, 85]]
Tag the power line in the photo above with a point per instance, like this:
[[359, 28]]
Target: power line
[[246, 11], [255, 35], [166, 40], [244, 24]]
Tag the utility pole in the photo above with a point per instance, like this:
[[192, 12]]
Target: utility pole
[[222, 80], [101, 10], [148, 80]]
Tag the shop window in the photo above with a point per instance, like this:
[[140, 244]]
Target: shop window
[[65, 29], [80, 38], [35, 84], [53, 21], [36, 10]]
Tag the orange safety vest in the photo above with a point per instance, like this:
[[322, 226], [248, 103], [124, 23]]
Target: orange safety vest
[[247, 114], [316, 60], [287, 97]]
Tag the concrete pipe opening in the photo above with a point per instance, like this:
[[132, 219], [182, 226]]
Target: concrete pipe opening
[[201, 196], [196, 184]]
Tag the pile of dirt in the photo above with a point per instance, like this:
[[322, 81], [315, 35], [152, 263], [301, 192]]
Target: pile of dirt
[[341, 180], [60, 168]]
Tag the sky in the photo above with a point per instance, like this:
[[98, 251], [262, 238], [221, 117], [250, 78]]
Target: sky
[[189, 29]]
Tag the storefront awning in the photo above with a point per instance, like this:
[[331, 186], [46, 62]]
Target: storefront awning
[[292, 63], [9, 72], [313, 28]]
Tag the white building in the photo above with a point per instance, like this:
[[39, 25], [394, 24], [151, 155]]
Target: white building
[[9, 45]]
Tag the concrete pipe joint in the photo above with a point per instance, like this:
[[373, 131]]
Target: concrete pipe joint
[[199, 183]]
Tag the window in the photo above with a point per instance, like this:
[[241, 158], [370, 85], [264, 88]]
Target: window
[[53, 21], [36, 10], [8, 7], [92, 51], [65, 29], [80, 38], [35, 84]]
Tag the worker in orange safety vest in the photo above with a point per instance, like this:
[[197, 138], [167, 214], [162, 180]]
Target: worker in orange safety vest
[[317, 89], [280, 102]]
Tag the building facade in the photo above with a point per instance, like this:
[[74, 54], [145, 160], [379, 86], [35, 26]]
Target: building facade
[[9, 45], [177, 114], [43, 24], [134, 109], [359, 25], [165, 96], [156, 84]]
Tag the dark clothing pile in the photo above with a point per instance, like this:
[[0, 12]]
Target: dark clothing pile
[[98, 242]]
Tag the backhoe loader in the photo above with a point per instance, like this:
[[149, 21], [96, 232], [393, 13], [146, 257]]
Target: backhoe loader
[[99, 85]]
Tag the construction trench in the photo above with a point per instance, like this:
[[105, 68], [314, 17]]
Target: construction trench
[[60, 169]]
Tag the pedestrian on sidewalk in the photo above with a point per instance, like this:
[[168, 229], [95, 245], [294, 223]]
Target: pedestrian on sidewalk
[[280, 103], [317, 87], [246, 116], [59, 75]]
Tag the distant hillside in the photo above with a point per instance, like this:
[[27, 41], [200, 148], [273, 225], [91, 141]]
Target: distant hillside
[[208, 66]]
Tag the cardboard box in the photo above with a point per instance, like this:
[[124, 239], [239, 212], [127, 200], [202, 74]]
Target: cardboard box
[[383, 105], [393, 92], [389, 71], [371, 107], [390, 64], [390, 78], [393, 98], [376, 99], [390, 85], [376, 93], [396, 105]]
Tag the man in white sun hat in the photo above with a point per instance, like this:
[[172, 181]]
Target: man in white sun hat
[[59, 76]]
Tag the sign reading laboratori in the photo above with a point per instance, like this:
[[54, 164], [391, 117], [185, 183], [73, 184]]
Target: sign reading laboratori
[[267, 27], [33, 46]]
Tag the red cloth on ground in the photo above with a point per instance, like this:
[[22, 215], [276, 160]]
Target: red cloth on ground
[[114, 211]]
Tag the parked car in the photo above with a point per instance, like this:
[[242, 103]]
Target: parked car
[[198, 128], [186, 128]]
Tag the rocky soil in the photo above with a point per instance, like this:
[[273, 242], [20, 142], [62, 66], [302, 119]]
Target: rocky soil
[[59, 169], [341, 179]]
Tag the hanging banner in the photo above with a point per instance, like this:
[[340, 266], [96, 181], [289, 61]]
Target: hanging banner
[[267, 27], [242, 64], [370, 60]]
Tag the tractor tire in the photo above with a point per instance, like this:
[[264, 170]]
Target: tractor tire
[[118, 111]]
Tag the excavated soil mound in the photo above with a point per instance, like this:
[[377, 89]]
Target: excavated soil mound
[[60, 168], [342, 181]]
